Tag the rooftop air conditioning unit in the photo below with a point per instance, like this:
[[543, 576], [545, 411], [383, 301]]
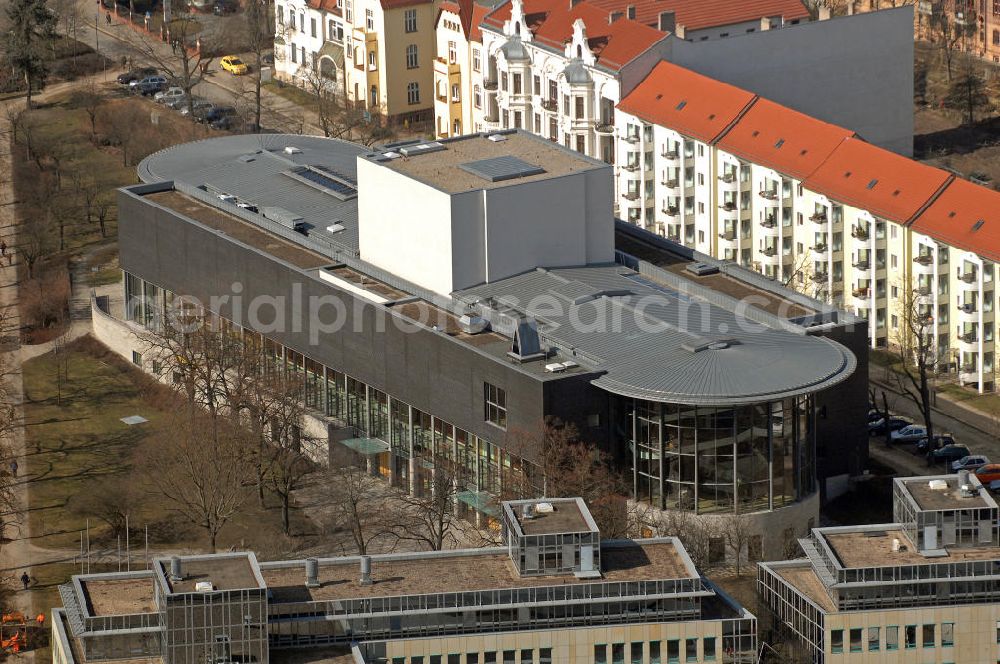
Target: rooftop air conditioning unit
[[204, 587], [938, 485], [496, 138], [544, 508], [555, 367], [472, 324], [291, 149], [702, 269]]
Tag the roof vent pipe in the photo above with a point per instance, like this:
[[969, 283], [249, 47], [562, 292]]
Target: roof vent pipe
[[366, 571], [176, 573], [312, 573]]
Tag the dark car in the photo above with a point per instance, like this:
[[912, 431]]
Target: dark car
[[219, 116], [924, 445], [947, 454], [223, 7], [135, 75], [882, 425]]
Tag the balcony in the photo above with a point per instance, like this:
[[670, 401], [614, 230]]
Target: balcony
[[769, 195], [631, 168], [632, 138], [968, 313], [631, 196], [820, 248], [862, 298], [671, 210], [970, 338], [924, 295], [861, 292], [550, 105], [864, 266], [444, 67], [968, 374], [490, 86], [860, 234], [728, 178], [728, 206], [818, 217], [968, 277], [769, 222], [923, 264], [728, 236], [604, 128], [770, 252], [671, 183], [819, 277], [669, 154]]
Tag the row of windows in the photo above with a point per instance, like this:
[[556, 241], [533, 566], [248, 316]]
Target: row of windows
[[657, 652], [522, 656], [873, 639]]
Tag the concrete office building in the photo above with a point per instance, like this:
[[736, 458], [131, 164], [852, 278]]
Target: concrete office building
[[479, 293], [921, 589], [556, 593]]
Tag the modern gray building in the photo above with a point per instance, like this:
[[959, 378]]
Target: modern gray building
[[442, 301], [472, 606]]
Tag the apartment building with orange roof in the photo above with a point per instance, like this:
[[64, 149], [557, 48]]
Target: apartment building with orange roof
[[458, 65], [816, 207]]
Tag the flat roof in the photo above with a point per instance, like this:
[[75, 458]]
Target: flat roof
[[238, 229], [803, 578], [79, 656], [450, 572], [566, 517], [873, 548], [116, 597], [227, 572], [947, 499], [450, 168]]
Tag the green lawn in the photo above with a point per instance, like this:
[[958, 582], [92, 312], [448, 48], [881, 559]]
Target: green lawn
[[292, 93], [76, 445], [987, 403]]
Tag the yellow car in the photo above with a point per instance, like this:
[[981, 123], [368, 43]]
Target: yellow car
[[234, 65]]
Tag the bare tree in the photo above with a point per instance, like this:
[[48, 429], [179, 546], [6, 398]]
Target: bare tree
[[738, 530], [187, 64], [916, 349], [430, 519], [337, 118], [112, 500], [697, 534], [259, 29], [90, 100], [195, 465], [359, 504], [951, 29]]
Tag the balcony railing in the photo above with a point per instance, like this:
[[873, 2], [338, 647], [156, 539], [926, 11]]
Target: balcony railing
[[632, 138], [924, 291], [632, 196], [769, 195], [604, 128], [923, 259], [728, 235], [671, 210], [728, 178], [820, 248], [669, 154], [968, 277], [490, 86], [969, 368], [728, 206], [969, 337], [672, 184], [550, 105], [818, 217], [769, 251], [862, 265], [819, 276], [967, 308], [769, 222], [860, 234], [861, 292], [631, 168]]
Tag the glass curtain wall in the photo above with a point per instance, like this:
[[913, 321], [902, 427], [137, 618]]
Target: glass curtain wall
[[708, 459]]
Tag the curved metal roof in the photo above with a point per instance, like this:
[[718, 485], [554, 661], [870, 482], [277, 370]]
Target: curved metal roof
[[652, 342]]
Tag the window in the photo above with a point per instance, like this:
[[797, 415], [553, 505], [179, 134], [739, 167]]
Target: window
[[411, 57], [369, 20], [601, 653], [892, 638], [349, 11], [475, 59], [635, 655], [495, 402], [279, 12], [295, 56], [836, 641], [929, 640], [947, 635], [410, 20], [509, 656], [490, 657], [910, 636], [372, 60], [537, 85], [454, 659], [472, 658], [708, 648], [855, 636], [654, 652], [691, 650], [873, 642], [291, 18], [516, 80], [673, 651], [454, 92], [617, 653], [312, 27], [545, 656], [477, 96], [527, 656], [137, 359], [413, 93], [452, 52]]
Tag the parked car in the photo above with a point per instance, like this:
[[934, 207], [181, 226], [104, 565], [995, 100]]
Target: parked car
[[233, 65], [988, 473], [249, 207], [196, 106], [874, 414], [215, 113], [948, 453], [994, 487], [169, 94], [177, 103], [908, 434], [881, 425], [150, 85], [970, 462], [924, 445], [223, 7], [135, 75]]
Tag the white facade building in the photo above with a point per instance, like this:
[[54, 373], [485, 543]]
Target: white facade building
[[309, 42]]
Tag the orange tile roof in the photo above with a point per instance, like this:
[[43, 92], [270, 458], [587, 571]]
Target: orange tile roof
[[324, 5], [696, 106], [470, 13], [551, 24], [953, 218], [778, 137], [700, 14], [871, 178]]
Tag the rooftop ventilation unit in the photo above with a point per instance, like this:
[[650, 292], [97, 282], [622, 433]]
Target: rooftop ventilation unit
[[496, 138], [497, 169], [702, 269], [472, 324], [938, 485], [526, 345], [421, 148], [282, 216], [204, 587], [291, 149], [366, 571], [312, 573], [555, 367]]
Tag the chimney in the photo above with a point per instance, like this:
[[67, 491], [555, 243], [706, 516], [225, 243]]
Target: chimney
[[765, 24], [630, 12], [667, 21], [824, 13], [614, 16], [176, 573], [312, 573], [680, 31], [366, 571]]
